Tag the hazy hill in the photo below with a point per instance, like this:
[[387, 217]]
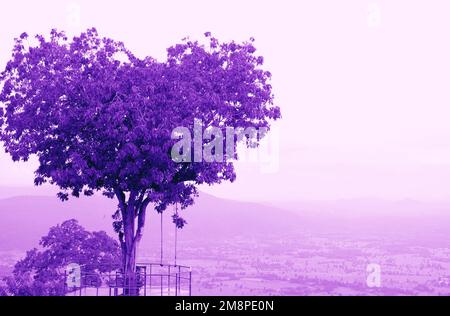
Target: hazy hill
[[24, 219], [416, 221]]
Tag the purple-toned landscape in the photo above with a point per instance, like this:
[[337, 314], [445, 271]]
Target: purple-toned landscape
[[152, 148], [243, 248]]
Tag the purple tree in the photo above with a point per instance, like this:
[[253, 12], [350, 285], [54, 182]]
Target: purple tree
[[100, 119], [42, 273]]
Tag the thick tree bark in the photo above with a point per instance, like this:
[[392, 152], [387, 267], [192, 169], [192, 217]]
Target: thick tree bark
[[133, 220]]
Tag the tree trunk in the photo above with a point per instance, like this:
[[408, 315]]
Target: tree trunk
[[134, 208], [130, 259]]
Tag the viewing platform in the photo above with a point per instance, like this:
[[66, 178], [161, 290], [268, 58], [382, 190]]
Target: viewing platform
[[152, 279]]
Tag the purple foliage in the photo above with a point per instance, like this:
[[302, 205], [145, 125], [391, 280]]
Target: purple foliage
[[100, 119], [41, 272]]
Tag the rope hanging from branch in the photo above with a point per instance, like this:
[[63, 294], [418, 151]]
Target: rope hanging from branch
[[161, 237], [176, 236]]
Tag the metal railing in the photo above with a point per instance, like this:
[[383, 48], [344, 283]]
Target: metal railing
[[151, 279]]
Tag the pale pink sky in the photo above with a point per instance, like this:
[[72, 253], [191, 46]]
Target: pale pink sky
[[364, 86]]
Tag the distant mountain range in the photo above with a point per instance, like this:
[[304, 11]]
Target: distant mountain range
[[24, 218], [44, 190]]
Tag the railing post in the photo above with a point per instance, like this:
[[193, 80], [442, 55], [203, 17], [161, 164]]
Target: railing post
[[145, 281], [150, 280], [176, 284], [190, 282], [168, 281], [161, 284], [179, 279]]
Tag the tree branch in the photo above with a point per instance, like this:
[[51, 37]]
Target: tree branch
[[121, 197], [141, 219]]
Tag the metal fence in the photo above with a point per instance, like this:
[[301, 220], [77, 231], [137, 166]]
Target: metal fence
[[152, 279]]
